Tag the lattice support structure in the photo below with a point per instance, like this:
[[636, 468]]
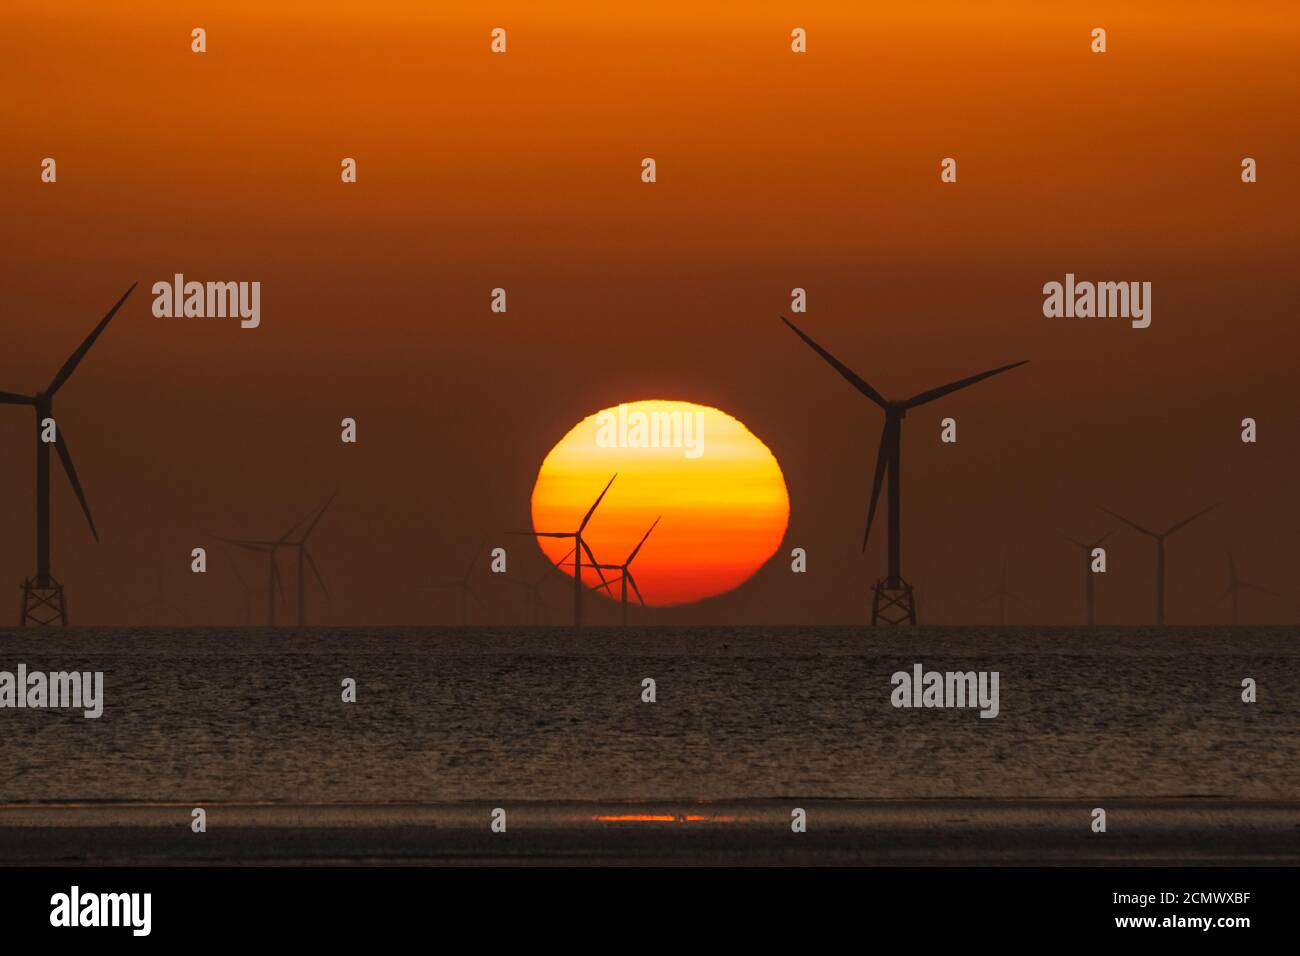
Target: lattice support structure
[[893, 603], [43, 604]]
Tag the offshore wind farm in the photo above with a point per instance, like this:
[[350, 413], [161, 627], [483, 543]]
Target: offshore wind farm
[[658, 429]]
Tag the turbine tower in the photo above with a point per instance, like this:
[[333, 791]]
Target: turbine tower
[[466, 590], [625, 574], [1001, 593], [1160, 551], [1236, 585], [580, 547], [160, 601], [893, 602], [43, 600], [1089, 590]]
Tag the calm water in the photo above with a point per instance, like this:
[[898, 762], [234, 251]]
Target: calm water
[[537, 714]]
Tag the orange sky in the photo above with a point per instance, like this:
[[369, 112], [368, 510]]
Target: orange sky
[[775, 171]]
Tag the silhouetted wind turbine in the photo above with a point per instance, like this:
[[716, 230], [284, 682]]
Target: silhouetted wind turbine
[[580, 548], [466, 590], [1160, 552], [43, 601], [893, 595], [625, 573], [305, 558], [271, 550], [533, 599], [245, 592], [272, 570], [1236, 584], [1001, 593], [1089, 592], [159, 601]]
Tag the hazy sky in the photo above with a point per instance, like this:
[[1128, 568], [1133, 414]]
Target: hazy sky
[[775, 170]]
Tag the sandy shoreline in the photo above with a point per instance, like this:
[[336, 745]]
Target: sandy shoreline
[[1186, 831]]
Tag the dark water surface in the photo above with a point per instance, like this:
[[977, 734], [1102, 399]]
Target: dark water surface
[[222, 715]]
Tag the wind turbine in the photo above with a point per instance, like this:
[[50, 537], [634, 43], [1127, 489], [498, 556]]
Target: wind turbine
[[271, 550], [305, 558], [1001, 593], [245, 592], [625, 575], [894, 602], [533, 592], [159, 601], [1089, 591], [272, 569], [1160, 552], [580, 547], [43, 601], [465, 588], [1236, 584]]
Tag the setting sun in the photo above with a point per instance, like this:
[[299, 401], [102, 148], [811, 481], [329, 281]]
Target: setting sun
[[719, 490]]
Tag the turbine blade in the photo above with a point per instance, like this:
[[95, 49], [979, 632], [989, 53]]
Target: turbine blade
[[246, 544], [235, 567], [311, 563], [1021, 601], [642, 541], [592, 510], [882, 460], [71, 364], [856, 380], [632, 581], [1073, 541], [1132, 524], [1262, 590], [320, 514], [13, 398], [65, 456], [1186, 521], [477, 600], [544, 534], [594, 563], [473, 561], [951, 387]]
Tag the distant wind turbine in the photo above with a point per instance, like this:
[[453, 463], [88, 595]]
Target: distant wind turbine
[[1001, 593], [533, 599], [894, 602], [245, 592], [625, 573], [463, 586], [159, 601], [43, 601], [1236, 585], [1159, 537], [289, 540], [1089, 590], [580, 547]]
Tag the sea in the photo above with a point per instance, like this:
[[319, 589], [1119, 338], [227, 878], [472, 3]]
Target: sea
[[446, 715]]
